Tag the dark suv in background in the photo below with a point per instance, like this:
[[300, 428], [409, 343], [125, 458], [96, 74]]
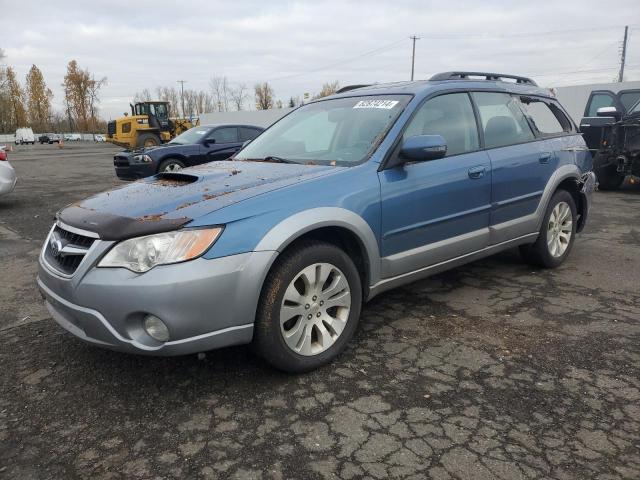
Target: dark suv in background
[[202, 144], [611, 129]]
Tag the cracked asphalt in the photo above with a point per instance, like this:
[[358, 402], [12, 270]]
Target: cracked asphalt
[[492, 370]]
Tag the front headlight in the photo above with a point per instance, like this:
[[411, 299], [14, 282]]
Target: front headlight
[[143, 253], [142, 159]]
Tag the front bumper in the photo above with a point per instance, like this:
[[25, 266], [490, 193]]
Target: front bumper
[[206, 304], [127, 169]]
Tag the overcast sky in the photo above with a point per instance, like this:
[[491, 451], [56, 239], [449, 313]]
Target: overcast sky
[[297, 46]]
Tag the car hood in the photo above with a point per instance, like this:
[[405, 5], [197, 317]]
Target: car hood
[[170, 200]]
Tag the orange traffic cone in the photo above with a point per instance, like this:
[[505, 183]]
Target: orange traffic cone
[[10, 148]]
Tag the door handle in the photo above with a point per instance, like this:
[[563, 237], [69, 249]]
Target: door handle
[[476, 172], [545, 157]]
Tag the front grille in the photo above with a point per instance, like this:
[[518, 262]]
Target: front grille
[[65, 250], [111, 128], [120, 161]]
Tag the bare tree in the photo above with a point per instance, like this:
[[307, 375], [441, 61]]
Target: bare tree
[[264, 96], [239, 95], [94, 100], [142, 96], [219, 87]]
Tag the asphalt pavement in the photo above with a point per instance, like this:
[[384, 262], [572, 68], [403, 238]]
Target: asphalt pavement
[[492, 370]]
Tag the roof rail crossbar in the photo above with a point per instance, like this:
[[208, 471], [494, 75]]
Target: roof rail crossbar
[[350, 87], [486, 75]]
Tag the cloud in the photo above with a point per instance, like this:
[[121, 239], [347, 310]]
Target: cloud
[[297, 46]]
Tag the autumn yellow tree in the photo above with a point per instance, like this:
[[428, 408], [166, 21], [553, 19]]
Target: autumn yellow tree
[[328, 89], [17, 114], [39, 100], [82, 96]]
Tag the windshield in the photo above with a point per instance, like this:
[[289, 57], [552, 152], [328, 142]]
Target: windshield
[[342, 131], [193, 135]]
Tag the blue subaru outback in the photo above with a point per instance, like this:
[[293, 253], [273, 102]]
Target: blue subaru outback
[[341, 199]]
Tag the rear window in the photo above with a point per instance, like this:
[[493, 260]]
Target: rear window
[[248, 133], [502, 119], [544, 118]]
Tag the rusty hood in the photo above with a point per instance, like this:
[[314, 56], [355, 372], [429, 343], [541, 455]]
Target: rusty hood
[[165, 202]]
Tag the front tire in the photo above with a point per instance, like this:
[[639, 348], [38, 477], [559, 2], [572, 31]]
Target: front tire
[[557, 233], [170, 165], [309, 307]]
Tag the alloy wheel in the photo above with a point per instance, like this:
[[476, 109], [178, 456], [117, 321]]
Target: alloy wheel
[[172, 167], [315, 309], [559, 229]]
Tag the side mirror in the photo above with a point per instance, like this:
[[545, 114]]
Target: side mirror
[[209, 141], [420, 148], [609, 112]]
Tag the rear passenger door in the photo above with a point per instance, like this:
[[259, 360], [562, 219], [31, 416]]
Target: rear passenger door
[[521, 164], [436, 210], [221, 143]]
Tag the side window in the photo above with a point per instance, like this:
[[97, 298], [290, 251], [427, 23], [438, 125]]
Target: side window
[[599, 100], [248, 133], [450, 116], [541, 116], [224, 135], [629, 99], [502, 119]]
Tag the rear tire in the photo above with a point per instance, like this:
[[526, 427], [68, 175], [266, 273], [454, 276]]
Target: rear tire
[[312, 275], [557, 233], [170, 165], [147, 140]]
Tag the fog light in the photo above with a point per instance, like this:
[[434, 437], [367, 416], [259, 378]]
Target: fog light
[[155, 328]]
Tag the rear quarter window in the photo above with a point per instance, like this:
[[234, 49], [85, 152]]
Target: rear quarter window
[[545, 118]]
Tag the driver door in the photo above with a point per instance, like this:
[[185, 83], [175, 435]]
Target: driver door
[[436, 210]]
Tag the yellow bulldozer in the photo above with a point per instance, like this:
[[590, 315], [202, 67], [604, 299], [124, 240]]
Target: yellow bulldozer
[[148, 125]]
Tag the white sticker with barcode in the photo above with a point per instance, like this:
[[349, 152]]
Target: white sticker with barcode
[[385, 104]]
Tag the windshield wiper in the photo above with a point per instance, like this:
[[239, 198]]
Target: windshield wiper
[[268, 158]]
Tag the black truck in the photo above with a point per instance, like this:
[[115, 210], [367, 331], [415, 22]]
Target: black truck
[[611, 129]]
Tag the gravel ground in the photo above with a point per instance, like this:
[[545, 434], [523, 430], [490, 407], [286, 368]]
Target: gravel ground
[[493, 370]]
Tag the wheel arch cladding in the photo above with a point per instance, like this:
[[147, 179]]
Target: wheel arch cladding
[[573, 186], [338, 226]]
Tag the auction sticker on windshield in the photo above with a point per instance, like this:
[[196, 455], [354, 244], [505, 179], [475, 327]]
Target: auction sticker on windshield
[[385, 104]]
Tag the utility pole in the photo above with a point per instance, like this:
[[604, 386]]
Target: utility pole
[[624, 54], [182, 82], [413, 54]]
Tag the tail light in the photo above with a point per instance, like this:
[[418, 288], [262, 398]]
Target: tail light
[[3, 155]]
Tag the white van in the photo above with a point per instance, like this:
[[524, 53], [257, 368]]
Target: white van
[[25, 135]]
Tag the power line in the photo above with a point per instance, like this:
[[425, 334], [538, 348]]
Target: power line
[[518, 34], [340, 62]]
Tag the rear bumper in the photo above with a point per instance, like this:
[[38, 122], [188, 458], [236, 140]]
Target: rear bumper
[[586, 193], [206, 304]]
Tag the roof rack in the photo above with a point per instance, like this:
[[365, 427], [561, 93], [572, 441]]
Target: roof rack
[[487, 76], [351, 87]]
